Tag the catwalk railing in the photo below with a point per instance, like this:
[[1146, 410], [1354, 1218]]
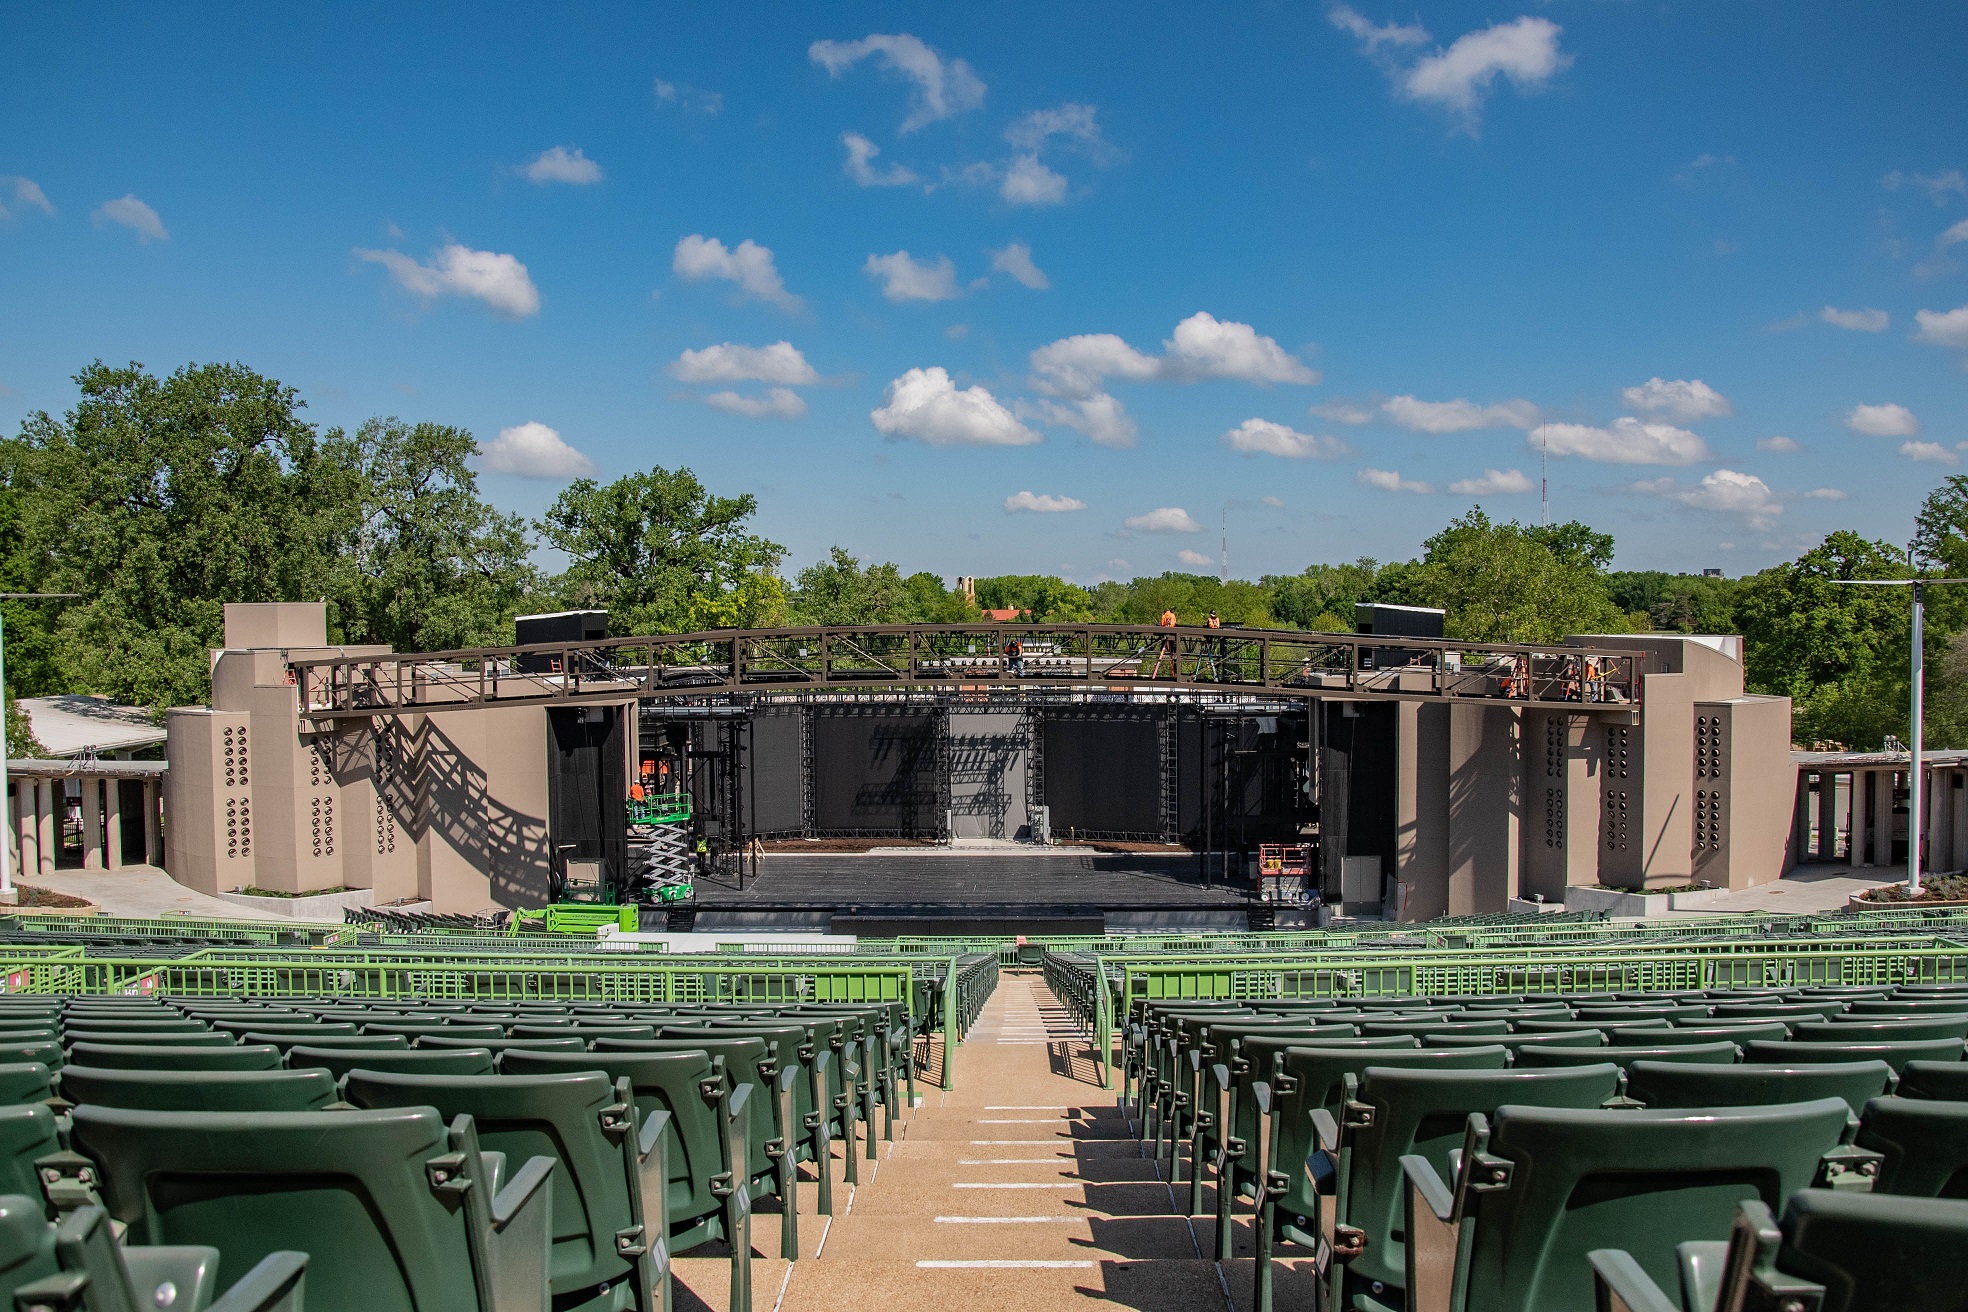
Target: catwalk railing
[[931, 656]]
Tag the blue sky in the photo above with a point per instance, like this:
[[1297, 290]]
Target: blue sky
[[1332, 273]]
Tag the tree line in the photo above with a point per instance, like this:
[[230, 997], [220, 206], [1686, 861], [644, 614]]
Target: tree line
[[158, 499]]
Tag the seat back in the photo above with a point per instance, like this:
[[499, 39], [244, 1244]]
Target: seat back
[[436, 1061], [1895, 1053], [1559, 1183], [1398, 1112], [1755, 1084], [27, 1131], [1682, 1035], [1850, 1029], [355, 1190], [1924, 1143], [155, 1057], [561, 1116], [1875, 1253], [25, 1081], [1542, 1055], [198, 1091], [743, 1055], [1943, 1080], [193, 1039]]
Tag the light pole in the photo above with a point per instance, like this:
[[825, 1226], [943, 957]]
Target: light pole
[[6, 849], [1916, 785]]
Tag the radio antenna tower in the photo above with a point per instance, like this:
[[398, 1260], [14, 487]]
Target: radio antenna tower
[[1544, 483], [1223, 575]]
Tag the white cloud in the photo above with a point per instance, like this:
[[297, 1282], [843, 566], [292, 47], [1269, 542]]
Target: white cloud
[[27, 194], [1887, 420], [860, 154], [1342, 412], [1016, 260], [1956, 232], [1525, 51], [777, 403], [1041, 503], [1101, 417], [728, 362], [1195, 558], [1943, 327], [1724, 491], [907, 279], [532, 450], [924, 405], [1625, 441], [1932, 452], [688, 98], [1935, 186], [1351, 21], [1825, 494], [1162, 519], [1458, 416], [1494, 482], [1389, 480], [1027, 181], [1077, 125], [1680, 399], [1202, 347], [131, 213], [1276, 503], [1781, 445], [562, 165], [1261, 435], [748, 265], [500, 281], [942, 88], [1861, 321]]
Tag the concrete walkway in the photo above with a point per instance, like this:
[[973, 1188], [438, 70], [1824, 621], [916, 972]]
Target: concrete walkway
[[146, 891], [1023, 1188], [1807, 890]]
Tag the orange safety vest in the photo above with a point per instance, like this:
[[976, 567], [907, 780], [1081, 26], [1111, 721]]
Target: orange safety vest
[[1168, 619]]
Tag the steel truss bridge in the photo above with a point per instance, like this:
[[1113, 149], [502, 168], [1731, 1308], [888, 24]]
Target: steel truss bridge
[[974, 658]]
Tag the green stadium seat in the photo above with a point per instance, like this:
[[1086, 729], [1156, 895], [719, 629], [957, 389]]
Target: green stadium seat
[[354, 1042], [793, 1050], [30, 1031], [319, 1028], [609, 1222], [395, 1209], [1417, 1028], [1514, 1043], [434, 1042], [45, 1051], [27, 1134], [1678, 1012], [1606, 1027], [1910, 1007], [1848, 1029], [1542, 1055], [1395, 1113], [1791, 1011], [1923, 1144], [1301, 1082], [1894, 1053], [706, 1155], [1682, 1084], [79, 1264], [116, 1021], [196, 1039], [199, 1091], [417, 1061], [1682, 1035], [418, 1029], [1538, 1188], [1946, 1081], [159, 1057], [25, 1081], [1833, 1252]]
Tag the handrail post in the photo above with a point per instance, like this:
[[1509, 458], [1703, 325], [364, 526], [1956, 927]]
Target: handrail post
[[950, 1024], [1103, 1025]]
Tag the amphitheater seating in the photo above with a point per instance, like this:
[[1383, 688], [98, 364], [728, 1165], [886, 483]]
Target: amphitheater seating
[[1923, 1145], [186, 1091], [1679, 1084]]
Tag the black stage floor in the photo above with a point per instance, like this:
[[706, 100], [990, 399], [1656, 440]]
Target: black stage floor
[[877, 894]]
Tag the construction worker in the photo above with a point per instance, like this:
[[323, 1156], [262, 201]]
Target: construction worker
[[1014, 652], [1212, 650], [1167, 648]]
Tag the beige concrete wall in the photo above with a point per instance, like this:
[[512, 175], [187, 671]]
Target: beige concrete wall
[[1485, 807], [208, 798], [276, 624], [1667, 832], [480, 780], [1421, 810], [1759, 788]]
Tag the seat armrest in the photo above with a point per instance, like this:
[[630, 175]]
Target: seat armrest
[[277, 1284], [520, 1238], [495, 1169], [1702, 1263], [1849, 1167], [1434, 1234], [1621, 1286], [1325, 1132]]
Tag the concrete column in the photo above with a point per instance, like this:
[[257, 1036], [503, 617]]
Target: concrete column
[[1827, 816], [1800, 821], [113, 824], [1957, 804], [20, 815], [92, 820], [1861, 809], [48, 823], [151, 856]]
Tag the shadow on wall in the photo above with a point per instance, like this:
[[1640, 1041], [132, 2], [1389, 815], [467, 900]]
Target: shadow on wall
[[512, 849]]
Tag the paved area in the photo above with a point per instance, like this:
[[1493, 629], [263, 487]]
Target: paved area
[[961, 876], [143, 891], [1806, 890], [1023, 1187]]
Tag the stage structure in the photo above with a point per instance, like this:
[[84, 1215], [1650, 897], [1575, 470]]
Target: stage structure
[[1432, 776]]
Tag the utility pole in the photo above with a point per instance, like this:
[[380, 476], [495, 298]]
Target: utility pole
[[6, 849]]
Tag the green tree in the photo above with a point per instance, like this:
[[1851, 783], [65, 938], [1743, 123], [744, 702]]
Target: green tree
[[664, 555], [1574, 543], [432, 565], [161, 499], [932, 603], [1505, 583], [1323, 596], [1045, 598], [839, 590], [1838, 652], [1192, 597]]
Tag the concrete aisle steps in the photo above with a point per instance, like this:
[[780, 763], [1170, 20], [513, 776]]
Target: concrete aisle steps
[[1023, 1188]]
